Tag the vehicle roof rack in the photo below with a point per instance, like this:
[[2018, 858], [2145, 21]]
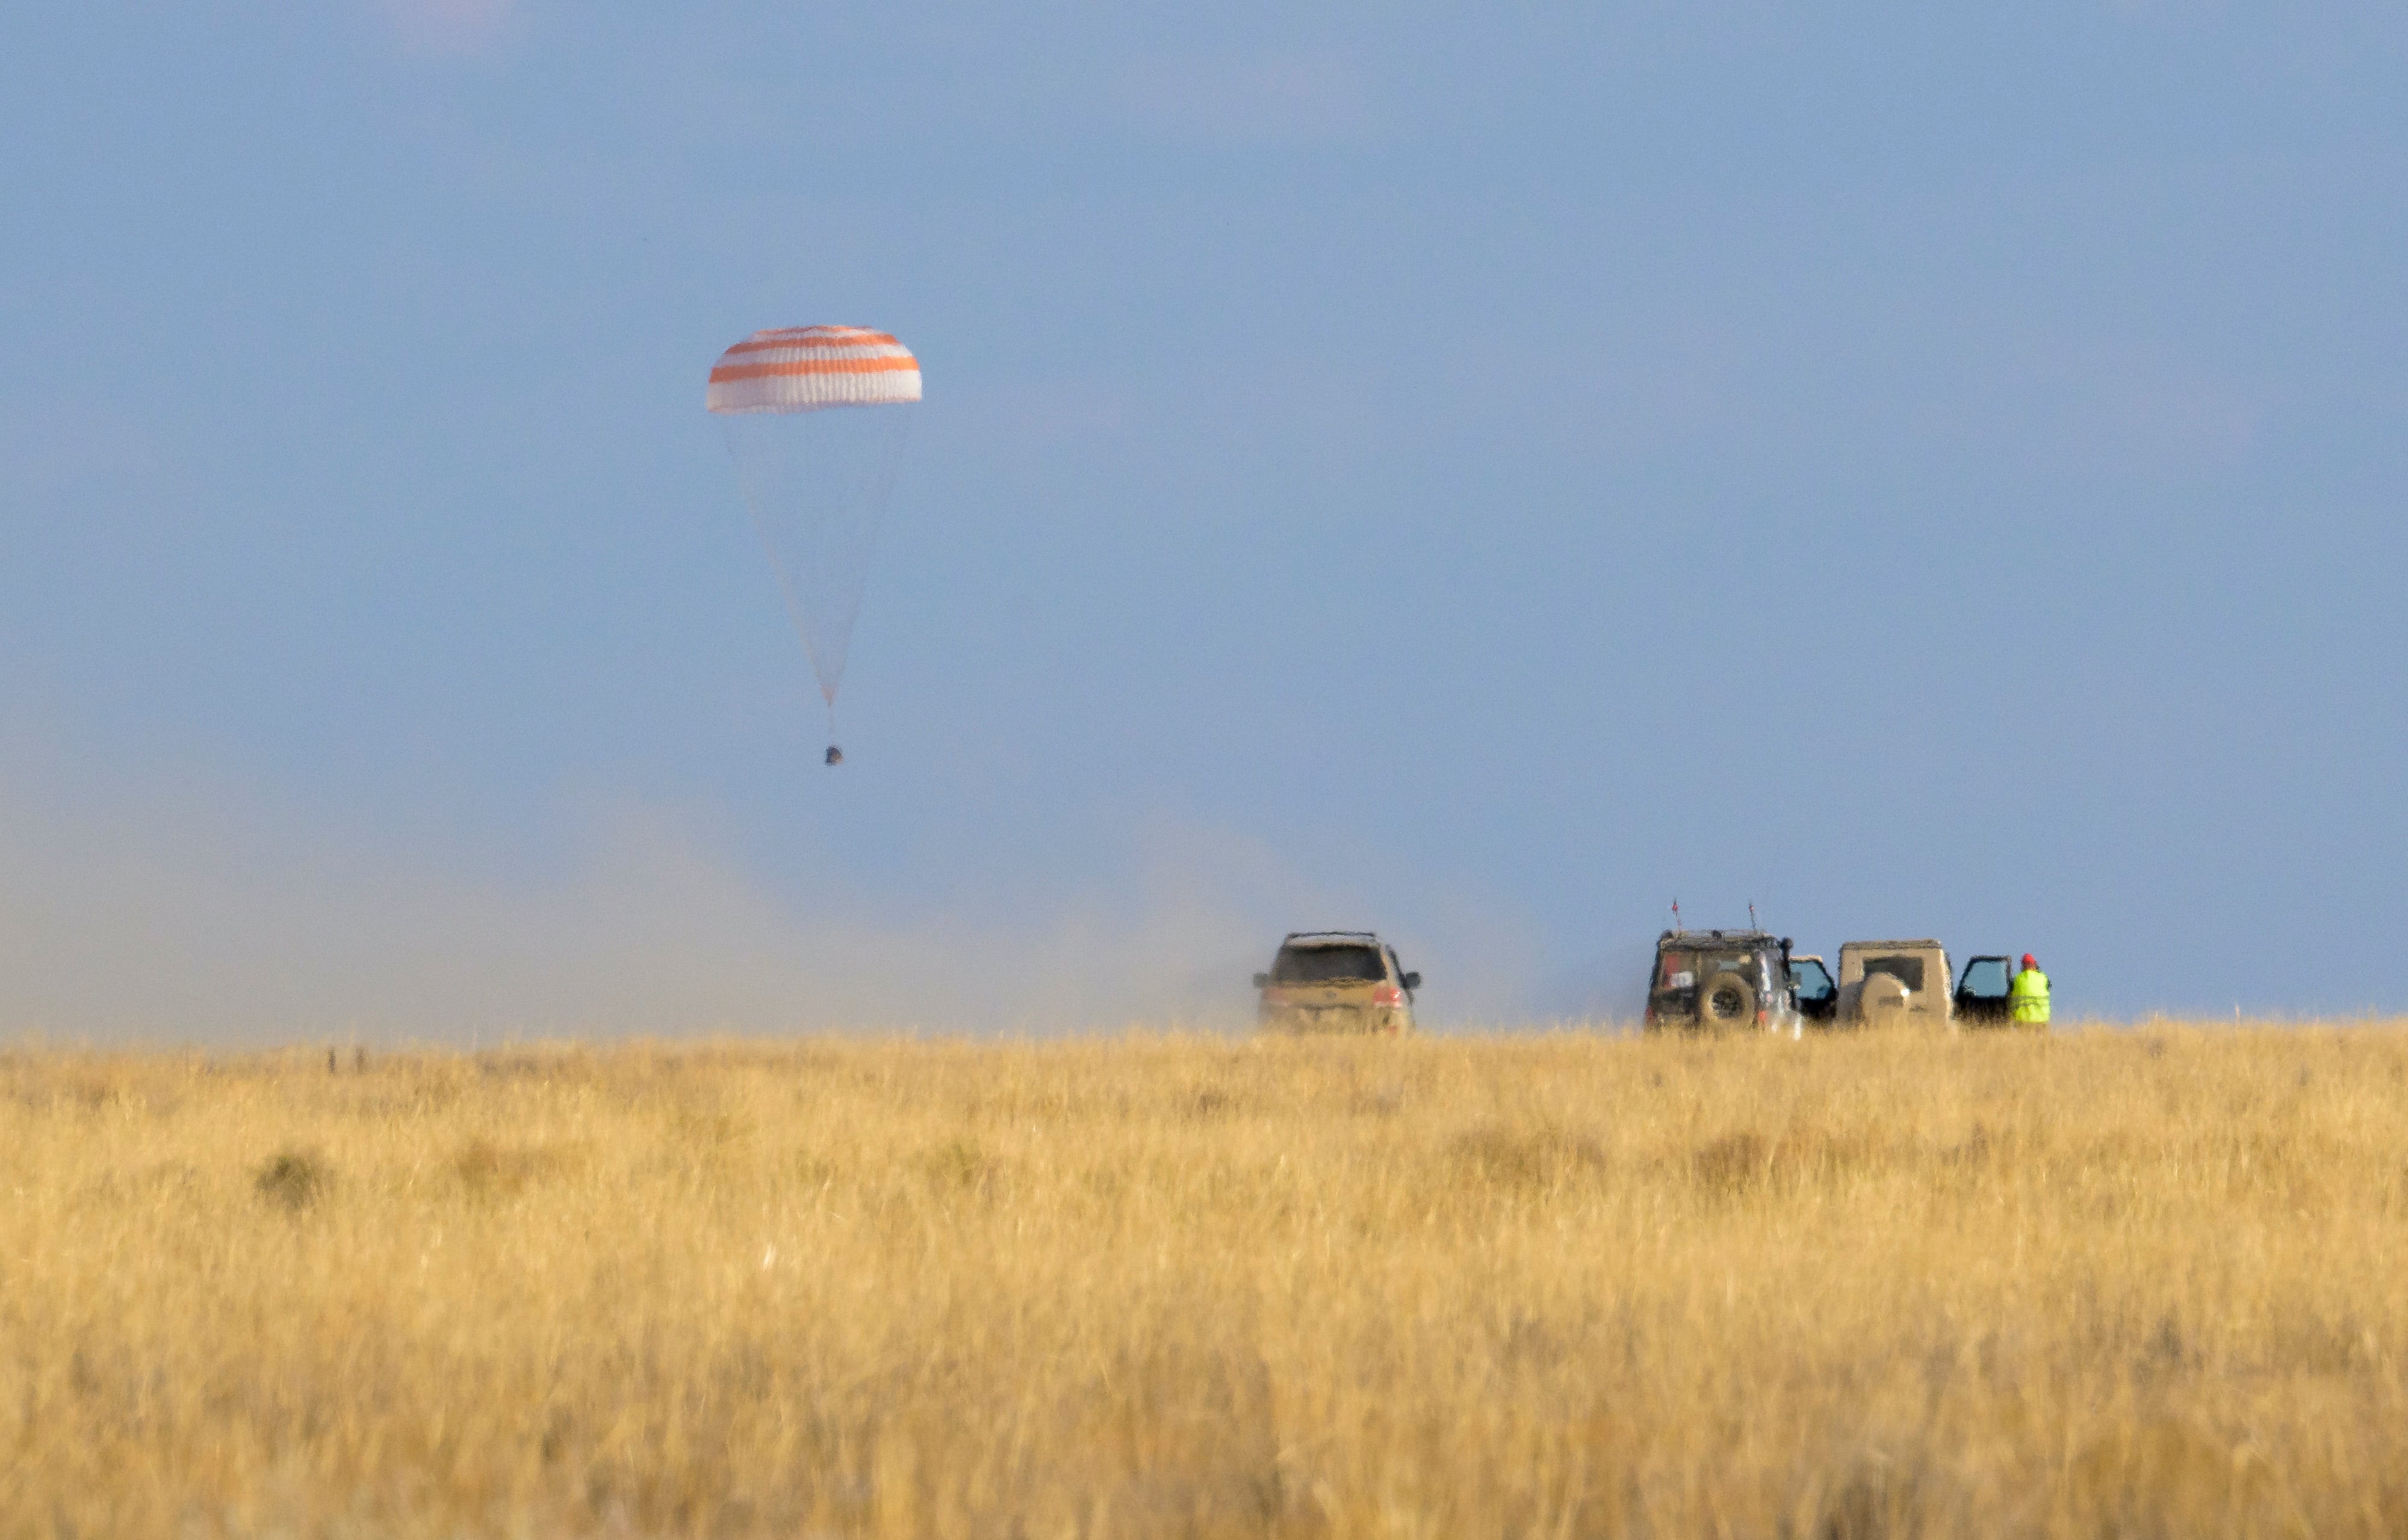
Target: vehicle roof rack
[[1331, 935]]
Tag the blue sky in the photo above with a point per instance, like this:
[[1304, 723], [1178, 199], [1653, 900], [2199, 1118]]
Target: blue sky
[[1476, 475]]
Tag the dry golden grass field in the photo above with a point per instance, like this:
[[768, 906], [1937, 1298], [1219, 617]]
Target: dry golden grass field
[[2106, 1284]]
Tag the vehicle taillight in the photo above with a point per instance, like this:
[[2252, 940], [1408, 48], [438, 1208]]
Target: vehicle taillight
[[1760, 1017], [1387, 994]]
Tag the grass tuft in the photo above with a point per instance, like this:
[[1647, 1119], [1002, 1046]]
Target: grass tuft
[[488, 1169], [293, 1179], [1526, 1160], [1733, 1165]]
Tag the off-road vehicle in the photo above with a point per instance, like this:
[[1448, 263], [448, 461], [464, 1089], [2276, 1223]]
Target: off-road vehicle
[[1722, 979], [1895, 982], [1336, 980]]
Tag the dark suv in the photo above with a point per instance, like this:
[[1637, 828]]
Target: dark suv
[[1722, 980]]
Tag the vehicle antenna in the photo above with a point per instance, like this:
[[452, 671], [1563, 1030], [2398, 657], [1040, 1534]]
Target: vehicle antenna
[[1751, 918], [1676, 913]]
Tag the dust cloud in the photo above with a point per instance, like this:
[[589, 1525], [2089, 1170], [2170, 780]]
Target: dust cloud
[[160, 910]]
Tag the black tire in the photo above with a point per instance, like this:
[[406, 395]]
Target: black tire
[[1725, 1000]]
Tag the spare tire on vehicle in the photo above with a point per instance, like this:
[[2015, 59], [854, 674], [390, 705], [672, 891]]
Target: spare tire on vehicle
[[1725, 1000], [1881, 998]]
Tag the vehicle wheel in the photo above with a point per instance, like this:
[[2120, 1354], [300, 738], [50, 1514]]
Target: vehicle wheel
[[1725, 1000]]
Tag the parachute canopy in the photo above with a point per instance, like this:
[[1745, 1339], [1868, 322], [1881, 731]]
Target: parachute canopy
[[804, 368]]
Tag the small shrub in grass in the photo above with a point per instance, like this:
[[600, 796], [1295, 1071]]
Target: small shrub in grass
[[1735, 1164], [1534, 1159], [487, 1170], [293, 1179], [959, 1164]]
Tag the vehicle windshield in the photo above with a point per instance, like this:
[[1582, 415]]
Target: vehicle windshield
[[1350, 964], [1814, 981], [1904, 967], [1985, 978]]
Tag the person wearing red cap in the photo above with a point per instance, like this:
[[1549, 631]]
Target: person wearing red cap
[[2028, 995]]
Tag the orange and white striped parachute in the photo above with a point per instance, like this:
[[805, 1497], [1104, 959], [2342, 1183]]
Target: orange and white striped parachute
[[816, 480], [803, 368]]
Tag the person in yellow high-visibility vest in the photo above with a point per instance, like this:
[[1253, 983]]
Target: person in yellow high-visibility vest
[[2028, 995]]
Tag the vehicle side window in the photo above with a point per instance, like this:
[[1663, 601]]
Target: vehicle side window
[[1814, 981]]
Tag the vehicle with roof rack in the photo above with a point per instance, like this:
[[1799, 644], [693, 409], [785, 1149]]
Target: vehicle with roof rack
[[1722, 980], [1336, 980]]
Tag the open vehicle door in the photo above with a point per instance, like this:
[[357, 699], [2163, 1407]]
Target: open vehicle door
[[1818, 997], [1982, 993]]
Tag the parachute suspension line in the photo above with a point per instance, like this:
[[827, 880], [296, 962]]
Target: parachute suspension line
[[859, 480], [795, 613], [816, 506]]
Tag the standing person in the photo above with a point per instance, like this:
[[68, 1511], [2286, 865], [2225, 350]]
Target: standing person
[[2028, 995]]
